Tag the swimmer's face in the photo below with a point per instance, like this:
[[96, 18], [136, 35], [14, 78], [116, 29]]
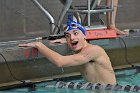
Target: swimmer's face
[[75, 39]]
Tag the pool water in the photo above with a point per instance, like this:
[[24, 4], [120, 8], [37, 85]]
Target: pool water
[[124, 77], [130, 77]]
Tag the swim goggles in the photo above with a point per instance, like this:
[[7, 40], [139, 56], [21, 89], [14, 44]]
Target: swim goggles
[[73, 25]]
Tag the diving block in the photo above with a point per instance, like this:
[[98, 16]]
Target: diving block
[[100, 34]]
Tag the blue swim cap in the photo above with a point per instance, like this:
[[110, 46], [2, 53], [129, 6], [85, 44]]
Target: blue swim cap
[[73, 25]]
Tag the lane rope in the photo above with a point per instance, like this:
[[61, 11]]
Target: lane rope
[[98, 86]]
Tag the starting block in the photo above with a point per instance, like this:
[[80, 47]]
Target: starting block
[[100, 34]]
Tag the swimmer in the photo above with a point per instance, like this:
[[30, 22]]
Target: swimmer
[[95, 63]]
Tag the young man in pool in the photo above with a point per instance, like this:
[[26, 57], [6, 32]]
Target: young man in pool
[[96, 65]]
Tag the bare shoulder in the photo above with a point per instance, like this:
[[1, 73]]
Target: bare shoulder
[[95, 48], [93, 51]]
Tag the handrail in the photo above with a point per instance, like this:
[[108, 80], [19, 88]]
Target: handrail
[[50, 17]]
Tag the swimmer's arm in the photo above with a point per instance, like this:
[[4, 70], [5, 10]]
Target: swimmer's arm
[[64, 61], [74, 60], [83, 57], [51, 55], [80, 58], [60, 60]]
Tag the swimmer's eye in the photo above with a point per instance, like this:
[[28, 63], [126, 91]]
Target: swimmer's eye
[[67, 35], [75, 33]]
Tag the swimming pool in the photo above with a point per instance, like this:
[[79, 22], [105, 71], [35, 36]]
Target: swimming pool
[[125, 77]]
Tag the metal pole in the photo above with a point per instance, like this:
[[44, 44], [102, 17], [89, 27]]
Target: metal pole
[[88, 12], [50, 17], [63, 12], [112, 12]]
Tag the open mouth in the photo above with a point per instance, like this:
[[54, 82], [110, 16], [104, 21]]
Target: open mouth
[[74, 43]]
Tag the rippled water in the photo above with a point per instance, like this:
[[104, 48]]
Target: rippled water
[[124, 77]]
